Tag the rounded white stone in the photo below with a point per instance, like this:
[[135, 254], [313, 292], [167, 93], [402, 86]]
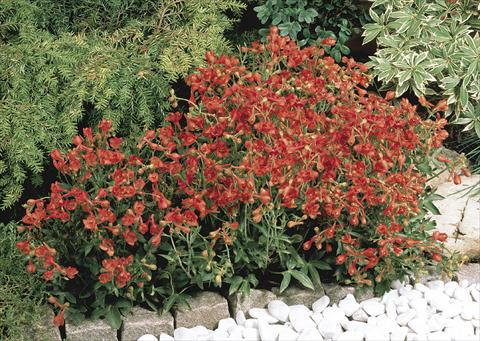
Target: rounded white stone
[[438, 336], [349, 305], [356, 326], [350, 336], [251, 323], [185, 334], [300, 321], [436, 285], [240, 318], [217, 335], [421, 287], [287, 334], [436, 323], [376, 335], [414, 295], [300, 308], [262, 314], [225, 324], [163, 337], [279, 310], [462, 294], [334, 313], [236, 332], [450, 288], [329, 329], [405, 317], [397, 284], [475, 294], [251, 334], [402, 308], [440, 301], [319, 305], [360, 315], [149, 337], [266, 331], [373, 307], [391, 310], [467, 310], [310, 334], [453, 310], [418, 325], [389, 296], [463, 283], [399, 334], [201, 332]]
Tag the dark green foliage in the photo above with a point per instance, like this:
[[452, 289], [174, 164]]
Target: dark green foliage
[[68, 62], [311, 21], [20, 293]]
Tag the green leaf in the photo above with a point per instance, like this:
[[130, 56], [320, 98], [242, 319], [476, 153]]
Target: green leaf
[[314, 275], [285, 281], [431, 207], [302, 278], [235, 284], [113, 317]]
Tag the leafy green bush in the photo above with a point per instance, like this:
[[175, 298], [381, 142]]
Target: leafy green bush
[[65, 63], [431, 48], [21, 295], [311, 21]]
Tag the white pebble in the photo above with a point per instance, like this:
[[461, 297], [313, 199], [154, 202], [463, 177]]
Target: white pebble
[[251, 334], [251, 323], [475, 294], [287, 334], [396, 284], [360, 315], [334, 313], [267, 333], [349, 305], [356, 326], [163, 337], [467, 310], [329, 329], [350, 336], [310, 334], [438, 336], [391, 310], [236, 332], [404, 318], [225, 324], [319, 305], [454, 310], [418, 325], [440, 301], [185, 334], [300, 308], [436, 323], [375, 335], [279, 310], [300, 321], [450, 288], [217, 335], [463, 283], [399, 334], [413, 295], [240, 318], [436, 285], [262, 314], [389, 296], [372, 307], [150, 337], [462, 294]]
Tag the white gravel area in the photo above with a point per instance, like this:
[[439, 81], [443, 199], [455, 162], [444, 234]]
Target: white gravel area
[[435, 311]]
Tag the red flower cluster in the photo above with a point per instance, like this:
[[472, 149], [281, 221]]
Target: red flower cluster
[[295, 133]]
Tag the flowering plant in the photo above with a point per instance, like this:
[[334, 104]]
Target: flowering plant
[[275, 168]]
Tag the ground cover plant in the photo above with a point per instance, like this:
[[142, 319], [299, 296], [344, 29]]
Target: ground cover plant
[[311, 21], [281, 162], [66, 64]]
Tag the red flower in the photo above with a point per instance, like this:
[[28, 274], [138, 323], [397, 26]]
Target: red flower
[[71, 272], [130, 237], [105, 126], [105, 277], [115, 142], [59, 320], [107, 245], [90, 223]]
